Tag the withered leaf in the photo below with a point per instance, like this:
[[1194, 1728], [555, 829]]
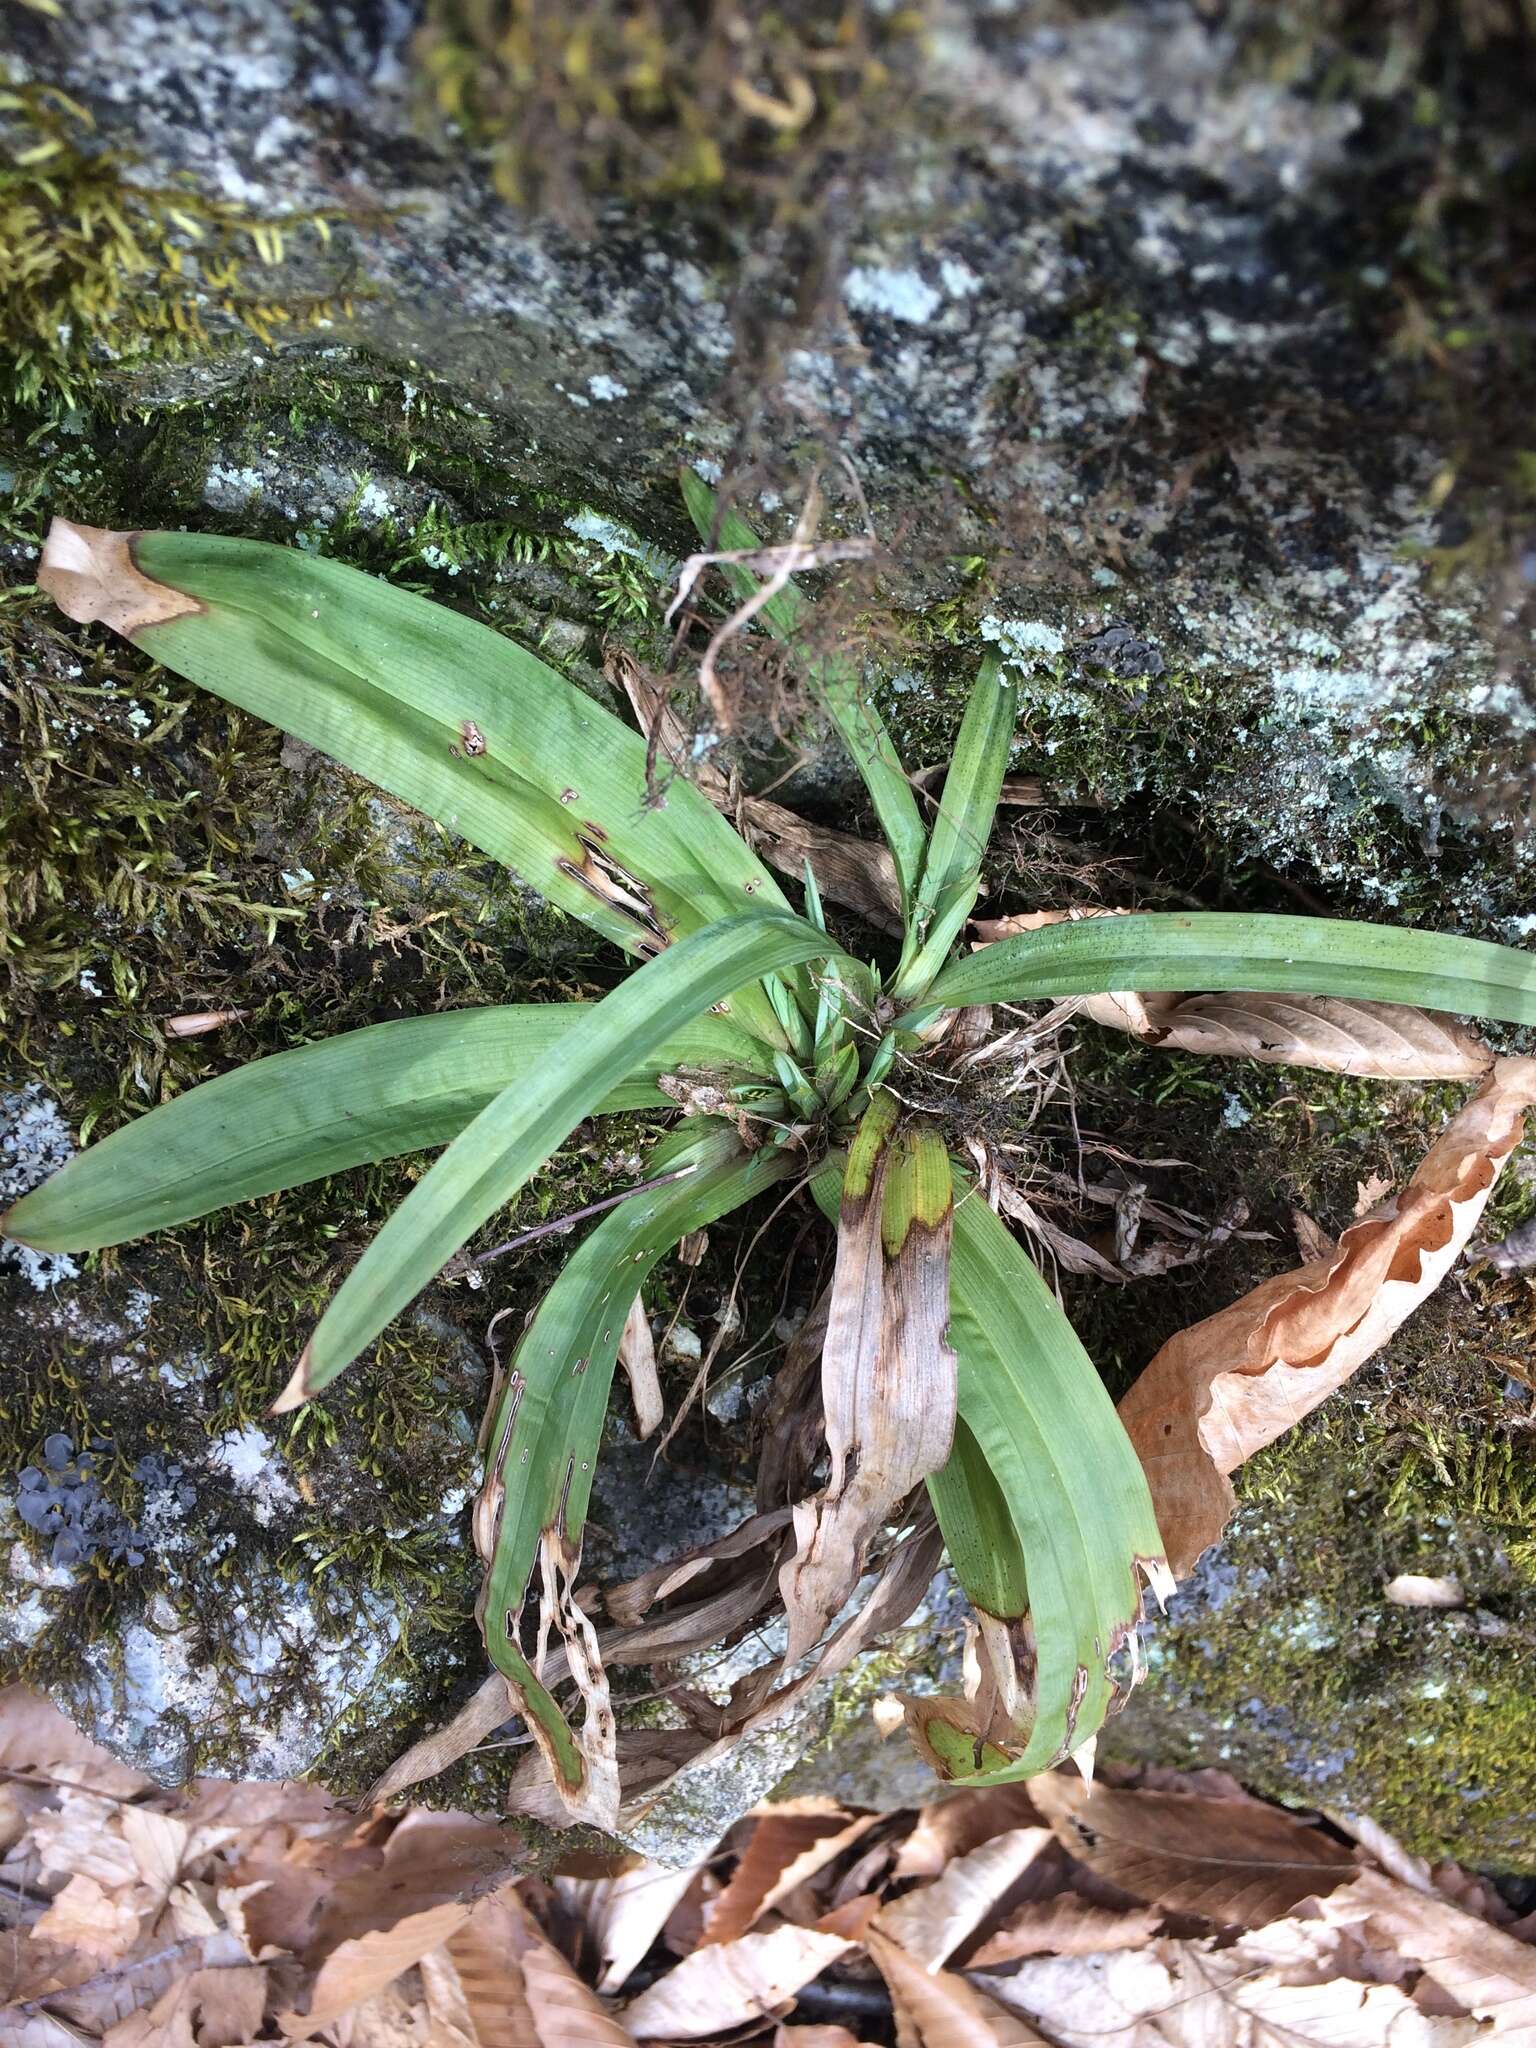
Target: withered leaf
[[620, 1916], [888, 1372], [940, 2009], [1390, 1041], [1066, 1924], [932, 1922], [1235, 1861], [724, 1985], [791, 1840], [1223, 1389], [637, 1355], [1484, 1968]]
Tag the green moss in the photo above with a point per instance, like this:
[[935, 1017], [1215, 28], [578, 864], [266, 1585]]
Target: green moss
[[99, 269], [660, 100]]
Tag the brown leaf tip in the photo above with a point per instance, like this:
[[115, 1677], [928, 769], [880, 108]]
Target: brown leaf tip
[[90, 574], [298, 1389]]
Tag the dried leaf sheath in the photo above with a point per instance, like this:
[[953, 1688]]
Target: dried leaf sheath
[[1217, 1393], [888, 1372]]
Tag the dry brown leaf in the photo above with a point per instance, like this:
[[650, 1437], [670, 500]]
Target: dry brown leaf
[[1487, 1970], [962, 1821], [888, 1374], [789, 1843], [816, 2037], [637, 1355], [1390, 1041], [1235, 1861], [485, 1956], [1191, 1995], [1066, 1925], [165, 2024], [938, 2009], [629, 1602], [726, 1984], [620, 1916], [931, 1923], [365, 1963], [229, 2003], [37, 1740], [87, 1917], [1220, 1391]]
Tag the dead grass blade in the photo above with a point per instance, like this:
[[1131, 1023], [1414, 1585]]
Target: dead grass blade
[[1235, 1861], [1220, 1391], [637, 1355]]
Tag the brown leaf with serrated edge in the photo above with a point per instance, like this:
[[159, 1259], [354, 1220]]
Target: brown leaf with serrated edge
[[1484, 1968], [727, 1984], [790, 1841], [1388, 1041], [932, 1922], [888, 1372], [1223, 1389], [940, 2009], [1235, 1861], [637, 1355]]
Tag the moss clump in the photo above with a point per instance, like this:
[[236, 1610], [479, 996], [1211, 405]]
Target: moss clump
[[98, 269], [664, 99]]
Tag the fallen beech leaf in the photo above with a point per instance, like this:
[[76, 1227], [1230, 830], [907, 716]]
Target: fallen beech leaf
[[726, 1984], [931, 1923], [1189, 1995], [1223, 1389], [485, 1958], [622, 1915], [938, 2009], [789, 1843], [1486, 1969], [1066, 1925], [1235, 1861], [357, 1968], [1414, 1589], [229, 2003], [637, 1355], [960, 1822], [165, 2024], [1388, 1041]]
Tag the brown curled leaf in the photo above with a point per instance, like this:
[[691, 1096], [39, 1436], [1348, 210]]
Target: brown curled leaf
[[1220, 1391]]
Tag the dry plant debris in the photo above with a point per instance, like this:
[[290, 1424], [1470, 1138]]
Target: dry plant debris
[[1158, 1910]]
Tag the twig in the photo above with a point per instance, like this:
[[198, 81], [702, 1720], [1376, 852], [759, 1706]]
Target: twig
[[568, 1222]]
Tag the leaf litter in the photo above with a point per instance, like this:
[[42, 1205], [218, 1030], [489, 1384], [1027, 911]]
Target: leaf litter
[[1159, 1909]]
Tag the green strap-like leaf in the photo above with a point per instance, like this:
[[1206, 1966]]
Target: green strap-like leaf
[[463, 724], [836, 681], [543, 1441], [346, 1101], [1064, 1468], [512, 1137], [1217, 950], [958, 840]]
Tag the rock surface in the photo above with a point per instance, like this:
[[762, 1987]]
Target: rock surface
[[1146, 337]]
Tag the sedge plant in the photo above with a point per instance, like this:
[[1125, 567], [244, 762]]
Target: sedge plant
[[947, 1363]]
